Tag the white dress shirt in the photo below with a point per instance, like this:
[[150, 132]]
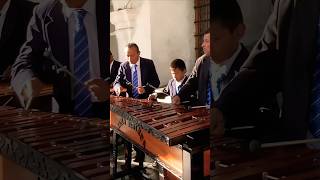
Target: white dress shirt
[[90, 24], [3, 14], [217, 70]]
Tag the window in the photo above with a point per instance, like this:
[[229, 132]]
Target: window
[[202, 23]]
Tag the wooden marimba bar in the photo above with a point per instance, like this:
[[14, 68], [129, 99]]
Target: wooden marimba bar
[[231, 161], [8, 97], [174, 136], [55, 146]]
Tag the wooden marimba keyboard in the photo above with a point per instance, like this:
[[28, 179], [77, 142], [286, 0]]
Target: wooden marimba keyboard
[[55, 146], [231, 161], [176, 137], [8, 97]]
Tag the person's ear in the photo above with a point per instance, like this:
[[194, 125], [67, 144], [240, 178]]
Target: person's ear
[[240, 31]]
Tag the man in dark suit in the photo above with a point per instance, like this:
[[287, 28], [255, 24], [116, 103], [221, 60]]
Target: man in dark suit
[[14, 18], [114, 67], [66, 46], [146, 75], [211, 75]]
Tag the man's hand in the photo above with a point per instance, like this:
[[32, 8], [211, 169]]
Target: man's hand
[[176, 100], [31, 89], [141, 90], [217, 123], [99, 89], [119, 89]]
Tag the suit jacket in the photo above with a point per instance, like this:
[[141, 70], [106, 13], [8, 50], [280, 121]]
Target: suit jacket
[[196, 84], [14, 31], [288, 69], [171, 86], [114, 71], [48, 28], [148, 75]]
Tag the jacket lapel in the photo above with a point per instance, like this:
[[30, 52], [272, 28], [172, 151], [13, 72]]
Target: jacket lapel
[[59, 42]]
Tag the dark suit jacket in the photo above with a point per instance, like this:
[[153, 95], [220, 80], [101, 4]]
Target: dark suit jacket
[[171, 86], [14, 31], [148, 75], [196, 84], [114, 71], [288, 69], [48, 28]]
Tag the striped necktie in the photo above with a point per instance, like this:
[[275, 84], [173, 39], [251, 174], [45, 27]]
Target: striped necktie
[[82, 97], [315, 94], [209, 92], [135, 93]]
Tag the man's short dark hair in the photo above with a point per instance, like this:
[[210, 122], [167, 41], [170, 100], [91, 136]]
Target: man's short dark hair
[[131, 45], [207, 31], [227, 13], [178, 63]]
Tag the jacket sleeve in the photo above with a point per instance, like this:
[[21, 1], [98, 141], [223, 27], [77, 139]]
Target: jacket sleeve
[[191, 85], [153, 80], [31, 54]]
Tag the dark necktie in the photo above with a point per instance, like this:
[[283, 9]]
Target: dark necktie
[[209, 92], [82, 97], [135, 93], [315, 94]]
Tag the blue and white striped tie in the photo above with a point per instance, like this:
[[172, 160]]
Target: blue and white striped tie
[[209, 92], [315, 94], [135, 93], [82, 97]]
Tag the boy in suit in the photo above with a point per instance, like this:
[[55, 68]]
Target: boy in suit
[[211, 75], [114, 67], [179, 77]]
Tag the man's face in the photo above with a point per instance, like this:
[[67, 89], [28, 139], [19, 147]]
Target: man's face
[[177, 73], [224, 42], [206, 44], [133, 55]]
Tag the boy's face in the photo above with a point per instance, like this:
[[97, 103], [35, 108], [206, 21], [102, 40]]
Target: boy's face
[[224, 41], [177, 73]]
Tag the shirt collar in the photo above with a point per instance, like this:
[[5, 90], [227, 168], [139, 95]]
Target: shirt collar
[[89, 6], [5, 8], [224, 67], [138, 63]]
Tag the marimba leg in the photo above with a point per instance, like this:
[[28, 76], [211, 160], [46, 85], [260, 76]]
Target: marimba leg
[[128, 154], [114, 152], [193, 165]]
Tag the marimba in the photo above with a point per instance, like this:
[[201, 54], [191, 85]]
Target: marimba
[[231, 161], [55, 146], [177, 138], [7, 97]]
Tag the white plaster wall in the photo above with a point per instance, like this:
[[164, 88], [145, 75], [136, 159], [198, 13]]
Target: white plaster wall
[[163, 29], [172, 27]]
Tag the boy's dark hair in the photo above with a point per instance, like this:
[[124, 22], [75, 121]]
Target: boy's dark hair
[[227, 13], [131, 45], [178, 63]]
